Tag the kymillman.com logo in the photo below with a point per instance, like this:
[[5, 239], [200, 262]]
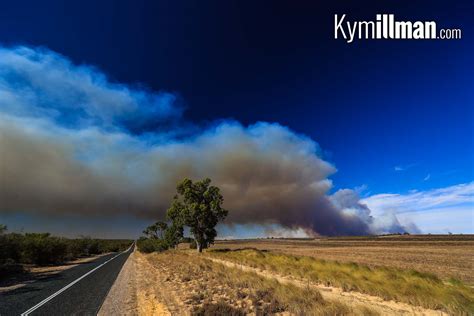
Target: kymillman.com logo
[[386, 27]]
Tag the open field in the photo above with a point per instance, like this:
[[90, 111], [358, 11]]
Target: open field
[[445, 256], [183, 283], [391, 284], [289, 277], [254, 282]]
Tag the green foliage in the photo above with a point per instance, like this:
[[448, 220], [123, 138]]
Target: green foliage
[[160, 237], [198, 205], [187, 240], [43, 249], [10, 247], [148, 245], [173, 235], [10, 253], [156, 230], [3, 229]]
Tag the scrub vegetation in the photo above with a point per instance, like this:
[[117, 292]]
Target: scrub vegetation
[[408, 286], [18, 250]]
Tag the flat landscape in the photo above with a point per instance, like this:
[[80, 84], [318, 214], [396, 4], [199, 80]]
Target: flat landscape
[[443, 255], [326, 276]]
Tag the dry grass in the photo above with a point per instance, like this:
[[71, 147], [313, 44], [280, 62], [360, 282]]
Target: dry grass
[[445, 256], [208, 288], [409, 286]]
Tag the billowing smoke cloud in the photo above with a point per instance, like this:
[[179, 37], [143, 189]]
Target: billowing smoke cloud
[[350, 202], [71, 142], [40, 83]]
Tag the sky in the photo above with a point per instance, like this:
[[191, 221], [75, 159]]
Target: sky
[[297, 127]]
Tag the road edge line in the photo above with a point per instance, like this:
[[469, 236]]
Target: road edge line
[[46, 300], [108, 291]]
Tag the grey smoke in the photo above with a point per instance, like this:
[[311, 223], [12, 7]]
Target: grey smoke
[[69, 145]]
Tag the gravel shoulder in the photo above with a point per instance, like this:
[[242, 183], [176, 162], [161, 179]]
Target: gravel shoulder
[[122, 298], [135, 292]]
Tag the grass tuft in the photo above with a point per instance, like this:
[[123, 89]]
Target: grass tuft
[[408, 286], [225, 290], [218, 309]]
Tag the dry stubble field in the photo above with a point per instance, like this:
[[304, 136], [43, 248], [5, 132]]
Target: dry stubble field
[[300, 277], [443, 255]]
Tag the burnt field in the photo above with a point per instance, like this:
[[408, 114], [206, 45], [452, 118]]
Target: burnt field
[[447, 256]]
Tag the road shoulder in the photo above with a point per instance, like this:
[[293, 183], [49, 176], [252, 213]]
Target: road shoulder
[[122, 297]]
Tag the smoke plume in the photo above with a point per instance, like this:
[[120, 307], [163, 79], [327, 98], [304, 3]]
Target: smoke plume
[[72, 142]]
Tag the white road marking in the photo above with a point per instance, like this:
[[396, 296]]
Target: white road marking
[[46, 300]]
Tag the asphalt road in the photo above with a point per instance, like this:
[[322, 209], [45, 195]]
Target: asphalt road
[[80, 290]]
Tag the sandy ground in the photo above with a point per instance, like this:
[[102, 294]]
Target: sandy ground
[[137, 292], [56, 269]]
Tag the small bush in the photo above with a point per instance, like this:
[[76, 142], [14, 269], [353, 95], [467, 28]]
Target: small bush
[[43, 249], [94, 247], [10, 247], [148, 245], [186, 240], [9, 267], [218, 309]]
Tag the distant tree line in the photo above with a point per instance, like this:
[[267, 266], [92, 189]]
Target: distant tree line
[[43, 249], [198, 206]]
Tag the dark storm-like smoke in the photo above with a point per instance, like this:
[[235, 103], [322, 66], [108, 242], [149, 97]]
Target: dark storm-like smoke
[[71, 142]]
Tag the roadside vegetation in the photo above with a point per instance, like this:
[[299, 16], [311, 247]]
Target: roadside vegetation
[[17, 250], [209, 288], [408, 286], [198, 206]]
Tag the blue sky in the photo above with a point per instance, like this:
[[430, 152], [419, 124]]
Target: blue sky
[[390, 117]]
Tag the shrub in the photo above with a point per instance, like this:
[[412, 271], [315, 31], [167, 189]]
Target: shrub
[[9, 267], [186, 240], [93, 247], [217, 309], [10, 247], [43, 249], [148, 245]]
